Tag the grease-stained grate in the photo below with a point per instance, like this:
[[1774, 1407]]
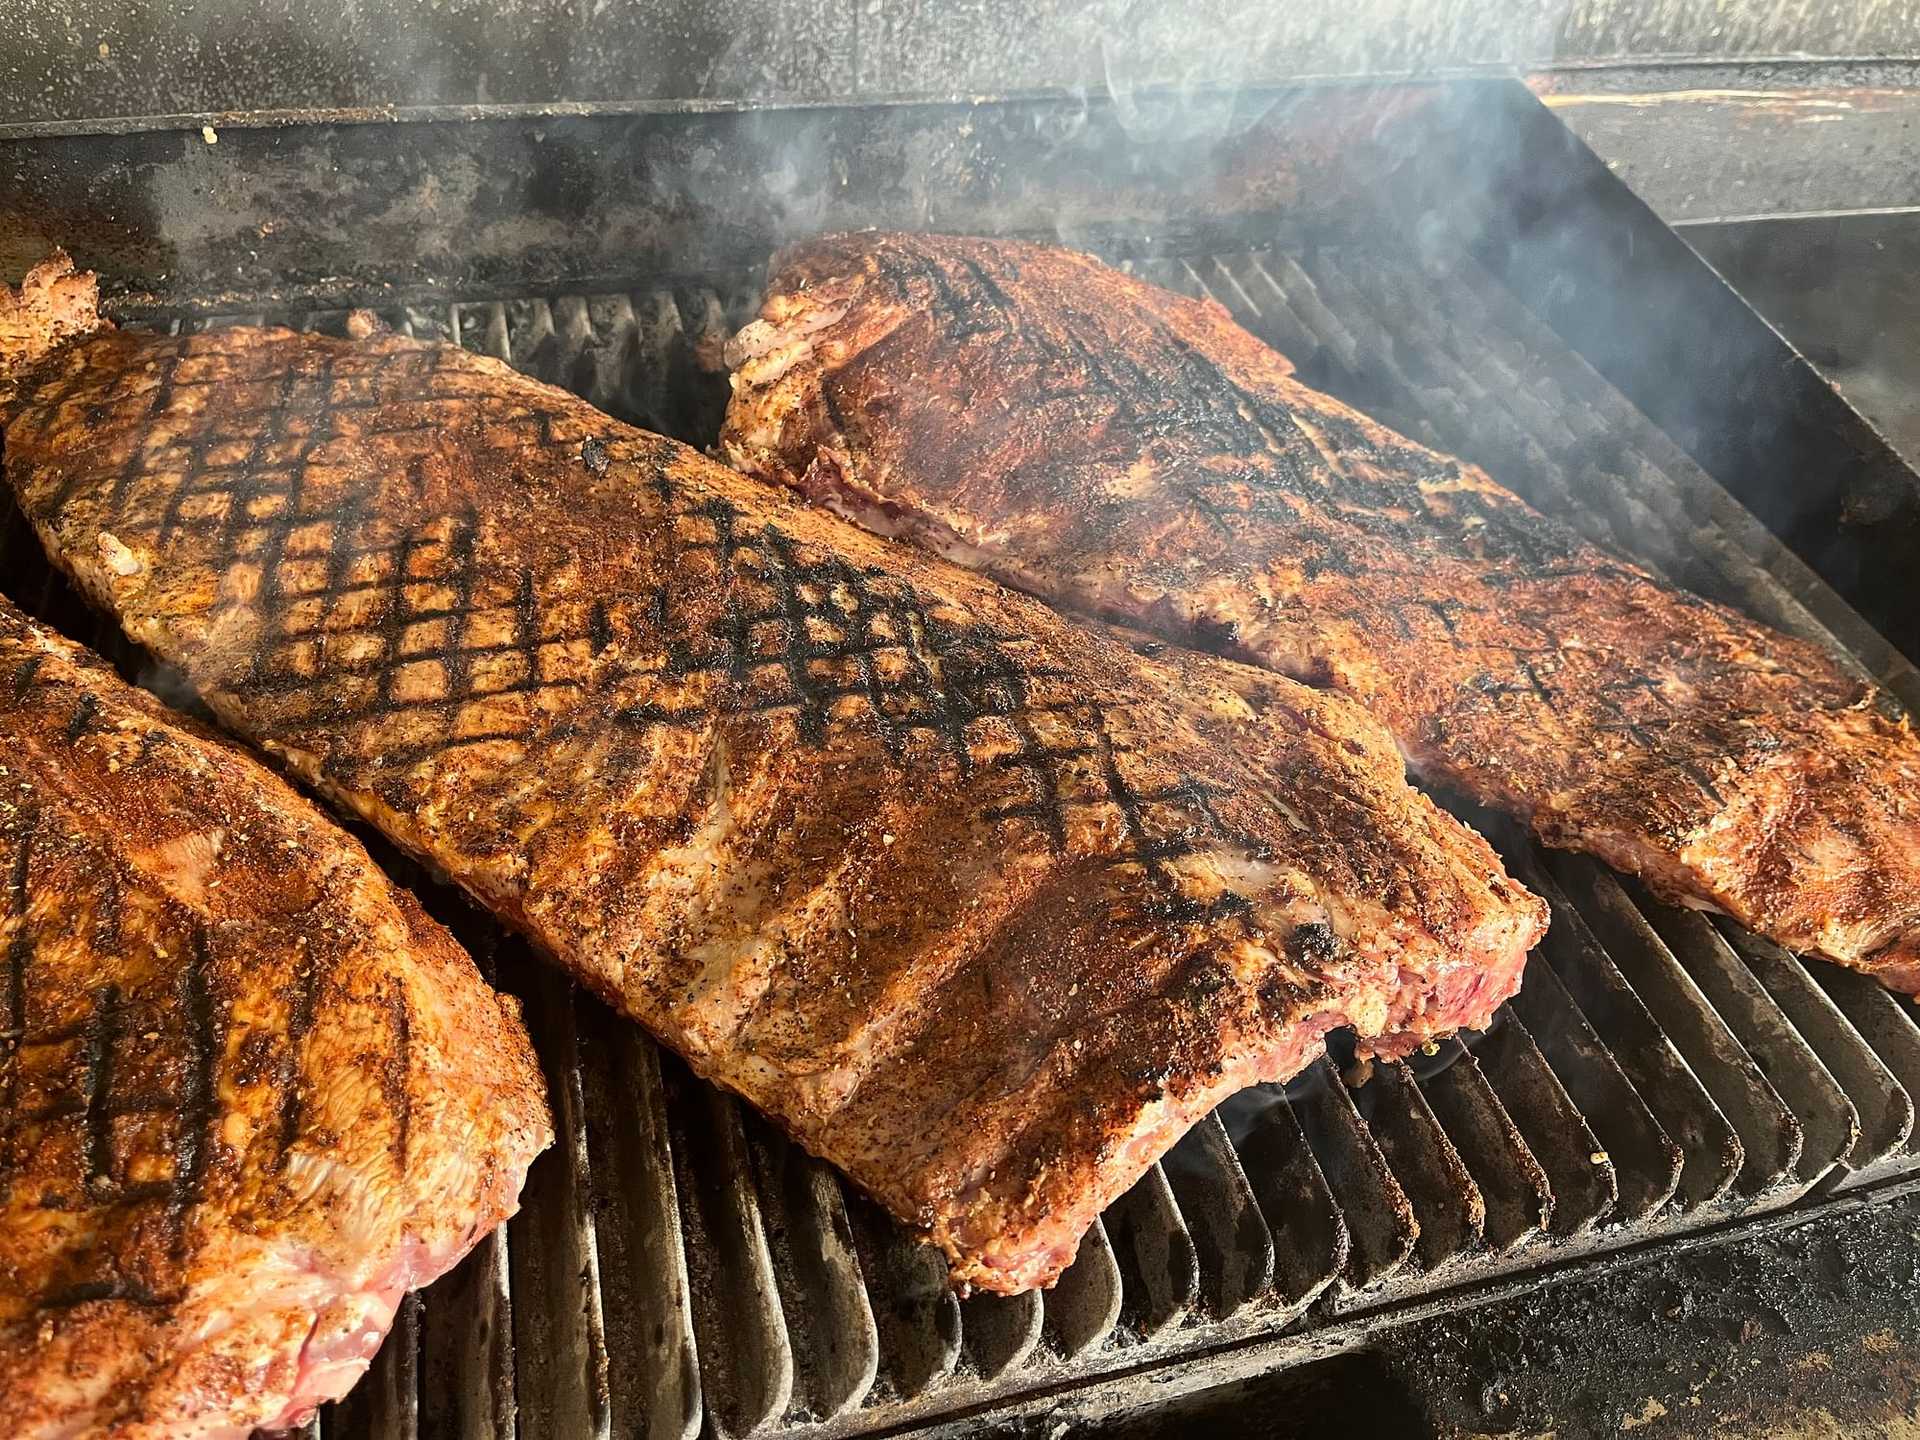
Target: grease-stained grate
[[678, 1265]]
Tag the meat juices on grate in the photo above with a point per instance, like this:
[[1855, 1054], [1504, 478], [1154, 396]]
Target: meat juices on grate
[[249, 1093], [1134, 454], [984, 908]]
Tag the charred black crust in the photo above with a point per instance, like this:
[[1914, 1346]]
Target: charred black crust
[[193, 1139], [300, 1015], [1313, 943]]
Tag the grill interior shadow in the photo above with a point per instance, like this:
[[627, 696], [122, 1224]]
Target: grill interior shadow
[[1289, 1405]]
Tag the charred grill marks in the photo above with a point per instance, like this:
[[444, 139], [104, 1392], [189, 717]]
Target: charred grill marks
[[344, 546], [790, 612], [455, 655], [526, 629], [19, 956], [101, 1036], [1376, 495], [1037, 762], [390, 626], [23, 675], [394, 1075], [306, 986], [839, 683], [247, 489], [1187, 471], [95, 1094], [949, 674], [143, 1203], [831, 623], [1152, 852], [196, 1107], [82, 717], [1529, 683]]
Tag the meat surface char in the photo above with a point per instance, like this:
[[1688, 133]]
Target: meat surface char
[[250, 1094], [1131, 453], [983, 907]]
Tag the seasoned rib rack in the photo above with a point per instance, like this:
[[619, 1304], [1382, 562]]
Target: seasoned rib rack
[[1122, 450], [249, 1093], [983, 908], [686, 1262]]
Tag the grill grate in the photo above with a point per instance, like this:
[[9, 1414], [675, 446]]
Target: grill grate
[[678, 1264]]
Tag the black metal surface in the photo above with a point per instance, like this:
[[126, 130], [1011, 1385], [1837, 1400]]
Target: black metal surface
[[345, 213], [84, 61], [1704, 141], [1589, 258], [1800, 1328], [1840, 287], [1803, 1329]]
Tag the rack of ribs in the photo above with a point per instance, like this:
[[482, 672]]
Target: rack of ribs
[[249, 1093], [1134, 454], [983, 907]]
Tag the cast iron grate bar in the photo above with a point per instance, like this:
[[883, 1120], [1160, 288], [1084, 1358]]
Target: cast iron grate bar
[[1448, 1208]]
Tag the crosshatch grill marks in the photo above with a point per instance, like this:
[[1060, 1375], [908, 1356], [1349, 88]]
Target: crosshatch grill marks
[[914, 670], [325, 663], [820, 638], [1241, 460], [247, 492], [454, 654], [19, 958], [1153, 852], [245, 488], [390, 625], [398, 640], [1037, 761], [129, 1171], [49, 413], [1654, 727], [137, 444], [1058, 788], [95, 1093]]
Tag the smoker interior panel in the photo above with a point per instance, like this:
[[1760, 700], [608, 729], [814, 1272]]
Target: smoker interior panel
[[679, 1265]]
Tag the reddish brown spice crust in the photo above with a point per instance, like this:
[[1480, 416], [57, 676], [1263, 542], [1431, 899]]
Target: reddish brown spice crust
[[984, 907], [249, 1093], [1132, 453]]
